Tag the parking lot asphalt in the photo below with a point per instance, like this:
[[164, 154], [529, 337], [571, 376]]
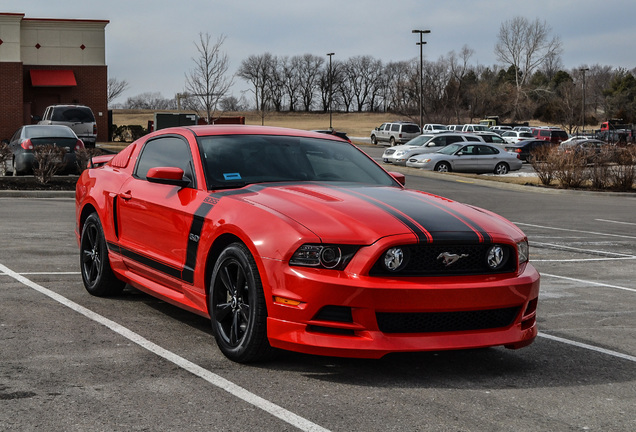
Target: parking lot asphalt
[[80, 363]]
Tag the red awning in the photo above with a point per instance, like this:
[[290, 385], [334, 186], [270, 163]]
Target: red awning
[[52, 78]]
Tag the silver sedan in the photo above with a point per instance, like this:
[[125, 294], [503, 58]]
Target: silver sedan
[[467, 157]]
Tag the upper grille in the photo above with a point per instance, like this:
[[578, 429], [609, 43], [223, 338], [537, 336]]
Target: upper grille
[[423, 260]]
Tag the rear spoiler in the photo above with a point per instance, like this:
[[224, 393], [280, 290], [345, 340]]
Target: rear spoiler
[[98, 161]]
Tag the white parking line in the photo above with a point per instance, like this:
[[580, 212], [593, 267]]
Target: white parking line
[[574, 230], [589, 347], [588, 282], [616, 222], [214, 379]]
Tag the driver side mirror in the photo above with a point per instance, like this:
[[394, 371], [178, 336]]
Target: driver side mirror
[[168, 175]]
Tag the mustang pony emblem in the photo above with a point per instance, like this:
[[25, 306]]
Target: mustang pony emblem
[[449, 258]]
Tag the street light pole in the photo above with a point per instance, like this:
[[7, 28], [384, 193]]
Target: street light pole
[[583, 107], [421, 44], [330, 89]]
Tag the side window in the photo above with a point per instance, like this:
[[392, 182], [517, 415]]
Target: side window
[[395, 127], [472, 138], [438, 142], [453, 139], [168, 151], [485, 150]]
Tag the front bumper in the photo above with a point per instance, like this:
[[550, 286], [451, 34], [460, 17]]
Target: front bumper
[[307, 328]]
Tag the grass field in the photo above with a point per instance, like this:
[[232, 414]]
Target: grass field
[[354, 124]]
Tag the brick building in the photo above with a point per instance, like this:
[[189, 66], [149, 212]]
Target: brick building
[[49, 61]]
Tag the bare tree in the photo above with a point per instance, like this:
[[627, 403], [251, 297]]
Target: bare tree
[[208, 82], [525, 46], [115, 88], [257, 71]]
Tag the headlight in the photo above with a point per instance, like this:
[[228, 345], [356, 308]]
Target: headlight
[[399, 153], [425, 160], [323, 256], [523, 251]]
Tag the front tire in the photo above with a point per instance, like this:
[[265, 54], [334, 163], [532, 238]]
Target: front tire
[[99, 279], [443, 167], [237, 306], [374, 140]]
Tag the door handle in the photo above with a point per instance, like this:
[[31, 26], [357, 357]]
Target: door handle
[[126, 195]]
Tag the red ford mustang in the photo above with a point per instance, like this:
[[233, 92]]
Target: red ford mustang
[[298, 240]]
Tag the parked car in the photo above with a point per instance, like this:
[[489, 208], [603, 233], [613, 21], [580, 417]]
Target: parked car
[[491, 137], [589, 149], [80, 118], [398, 155], [314, 248], [500, 129], [524, 149], [455, 128], [555, 136], [434, 128], [467, 157], [395, 133], [473, 128], [24, 141], [513, 136], [341, 135]]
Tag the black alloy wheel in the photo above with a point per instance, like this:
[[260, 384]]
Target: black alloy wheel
[[97, 275], [237, 306]]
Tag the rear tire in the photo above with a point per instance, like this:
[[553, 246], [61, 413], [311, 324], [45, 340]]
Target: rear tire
[[501, 168], [99, 279], [391, 141]]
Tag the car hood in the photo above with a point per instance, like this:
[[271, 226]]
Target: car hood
[[362, 215]]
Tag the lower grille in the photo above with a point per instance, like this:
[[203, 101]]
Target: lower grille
[[436, 322]]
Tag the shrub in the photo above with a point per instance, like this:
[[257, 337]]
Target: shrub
[[572, 170], [5, 155], [128, 133], [545, 160], [49, 160], [84, 155], [622, 174]]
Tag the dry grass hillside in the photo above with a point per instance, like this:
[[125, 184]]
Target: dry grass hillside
[[354, 124]]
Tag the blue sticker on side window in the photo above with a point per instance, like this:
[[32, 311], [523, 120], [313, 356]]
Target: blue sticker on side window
[[231, 176]]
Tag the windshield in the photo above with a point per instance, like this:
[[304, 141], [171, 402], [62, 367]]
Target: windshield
[[450, 149], [238, 160], [420, 140]]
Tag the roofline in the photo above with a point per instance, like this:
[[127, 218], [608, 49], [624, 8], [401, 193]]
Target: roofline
[[66, 20]]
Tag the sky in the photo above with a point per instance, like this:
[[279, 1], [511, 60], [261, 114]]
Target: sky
[[151, 43]]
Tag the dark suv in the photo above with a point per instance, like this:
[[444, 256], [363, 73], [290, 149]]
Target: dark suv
[[80, 118]]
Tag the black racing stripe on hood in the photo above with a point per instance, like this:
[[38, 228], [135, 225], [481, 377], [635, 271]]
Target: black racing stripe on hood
[[429, 221], [484, 234]]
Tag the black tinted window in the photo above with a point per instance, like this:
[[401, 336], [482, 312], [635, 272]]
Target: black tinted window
[[410, 128], [165, 152], [73, 114], [395, 127]]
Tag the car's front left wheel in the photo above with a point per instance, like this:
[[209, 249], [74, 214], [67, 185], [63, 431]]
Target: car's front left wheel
[[99, 279], [237, 306]]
